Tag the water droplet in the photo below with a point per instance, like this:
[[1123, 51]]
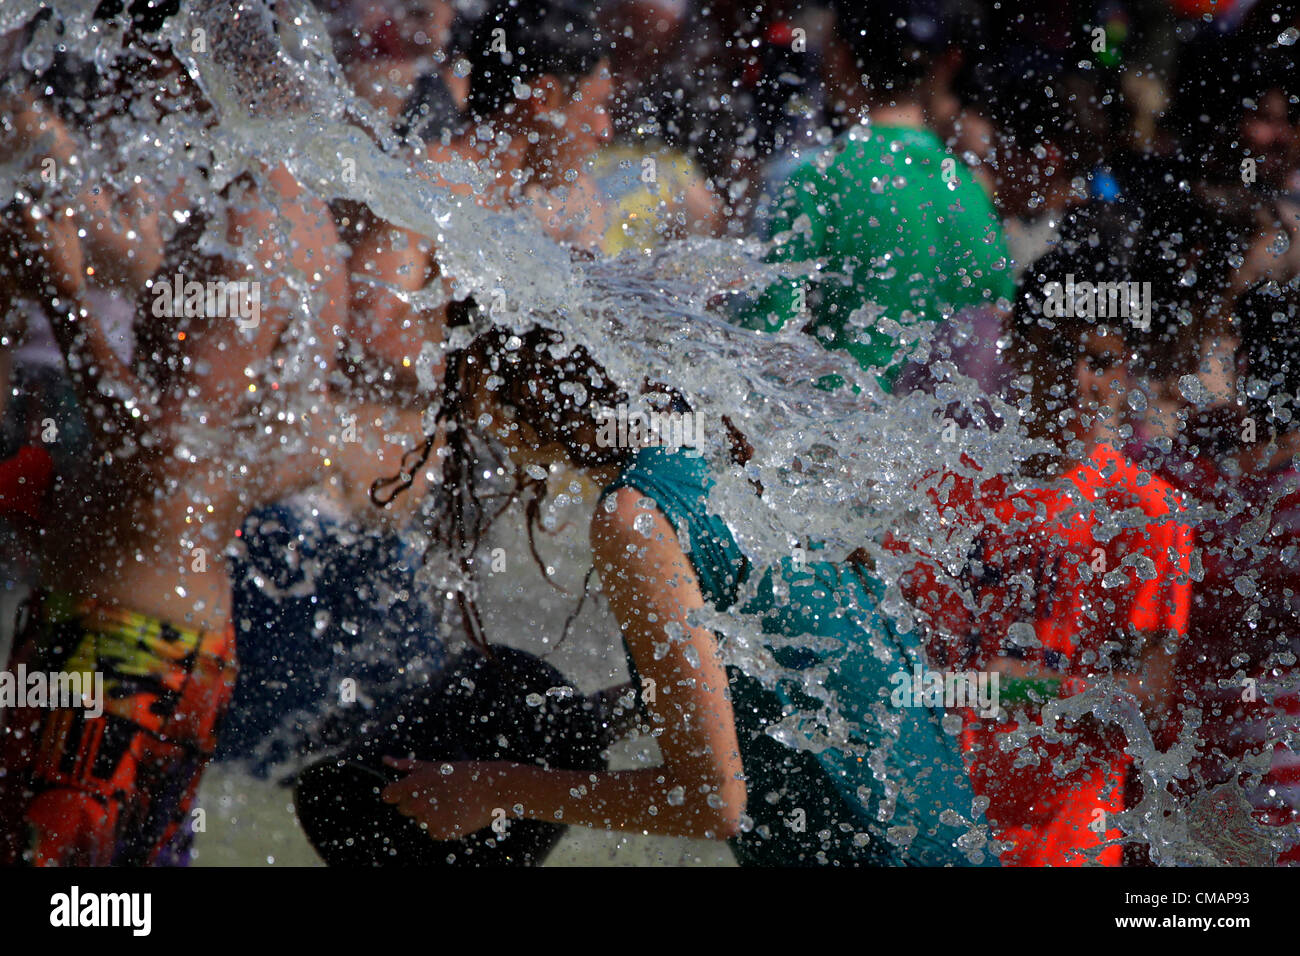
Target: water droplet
[[676, 797], [901, 836], [1023, 634], [1144, 566]]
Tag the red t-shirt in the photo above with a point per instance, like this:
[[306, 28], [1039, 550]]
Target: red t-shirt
[[1079, 567]]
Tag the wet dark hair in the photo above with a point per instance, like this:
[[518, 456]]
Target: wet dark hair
[[560, 392], [82, 92], [147, 16], [894, 42], [1100, 243], [559, 37], [556, 391], [1269, 317]]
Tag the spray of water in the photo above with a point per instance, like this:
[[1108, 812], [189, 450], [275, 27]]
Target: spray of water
[[842, 467]]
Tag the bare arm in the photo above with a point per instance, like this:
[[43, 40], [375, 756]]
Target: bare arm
[[121, 233], [703, 211], [1149, 679], [64, 238], [698, 790]]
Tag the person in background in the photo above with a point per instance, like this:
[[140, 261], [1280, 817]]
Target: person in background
[[1055, 595], [653, 191], [907, 233], [1237, 671], [142, 592], [395, 55]]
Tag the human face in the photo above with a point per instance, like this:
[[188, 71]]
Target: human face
[[1103, 377]]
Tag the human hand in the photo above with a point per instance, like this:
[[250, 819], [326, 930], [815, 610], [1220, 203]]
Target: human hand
[[452, 800], [575, 214]]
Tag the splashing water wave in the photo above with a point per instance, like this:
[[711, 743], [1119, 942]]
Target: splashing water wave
[[841, 467]]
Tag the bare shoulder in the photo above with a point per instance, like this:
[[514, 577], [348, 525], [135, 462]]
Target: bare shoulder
[[635, 531], [617, 520]]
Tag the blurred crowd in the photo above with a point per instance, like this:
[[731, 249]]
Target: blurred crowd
[[943, 162]]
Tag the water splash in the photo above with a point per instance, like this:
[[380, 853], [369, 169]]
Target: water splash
[[841, 468]]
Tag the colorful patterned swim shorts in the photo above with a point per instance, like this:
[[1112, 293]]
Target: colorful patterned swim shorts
[[114, 789]]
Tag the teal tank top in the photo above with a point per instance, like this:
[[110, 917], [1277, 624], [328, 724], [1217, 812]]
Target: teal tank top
[[888, 808]]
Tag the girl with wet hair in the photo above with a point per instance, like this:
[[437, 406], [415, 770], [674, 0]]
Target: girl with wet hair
[[662, 556]]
